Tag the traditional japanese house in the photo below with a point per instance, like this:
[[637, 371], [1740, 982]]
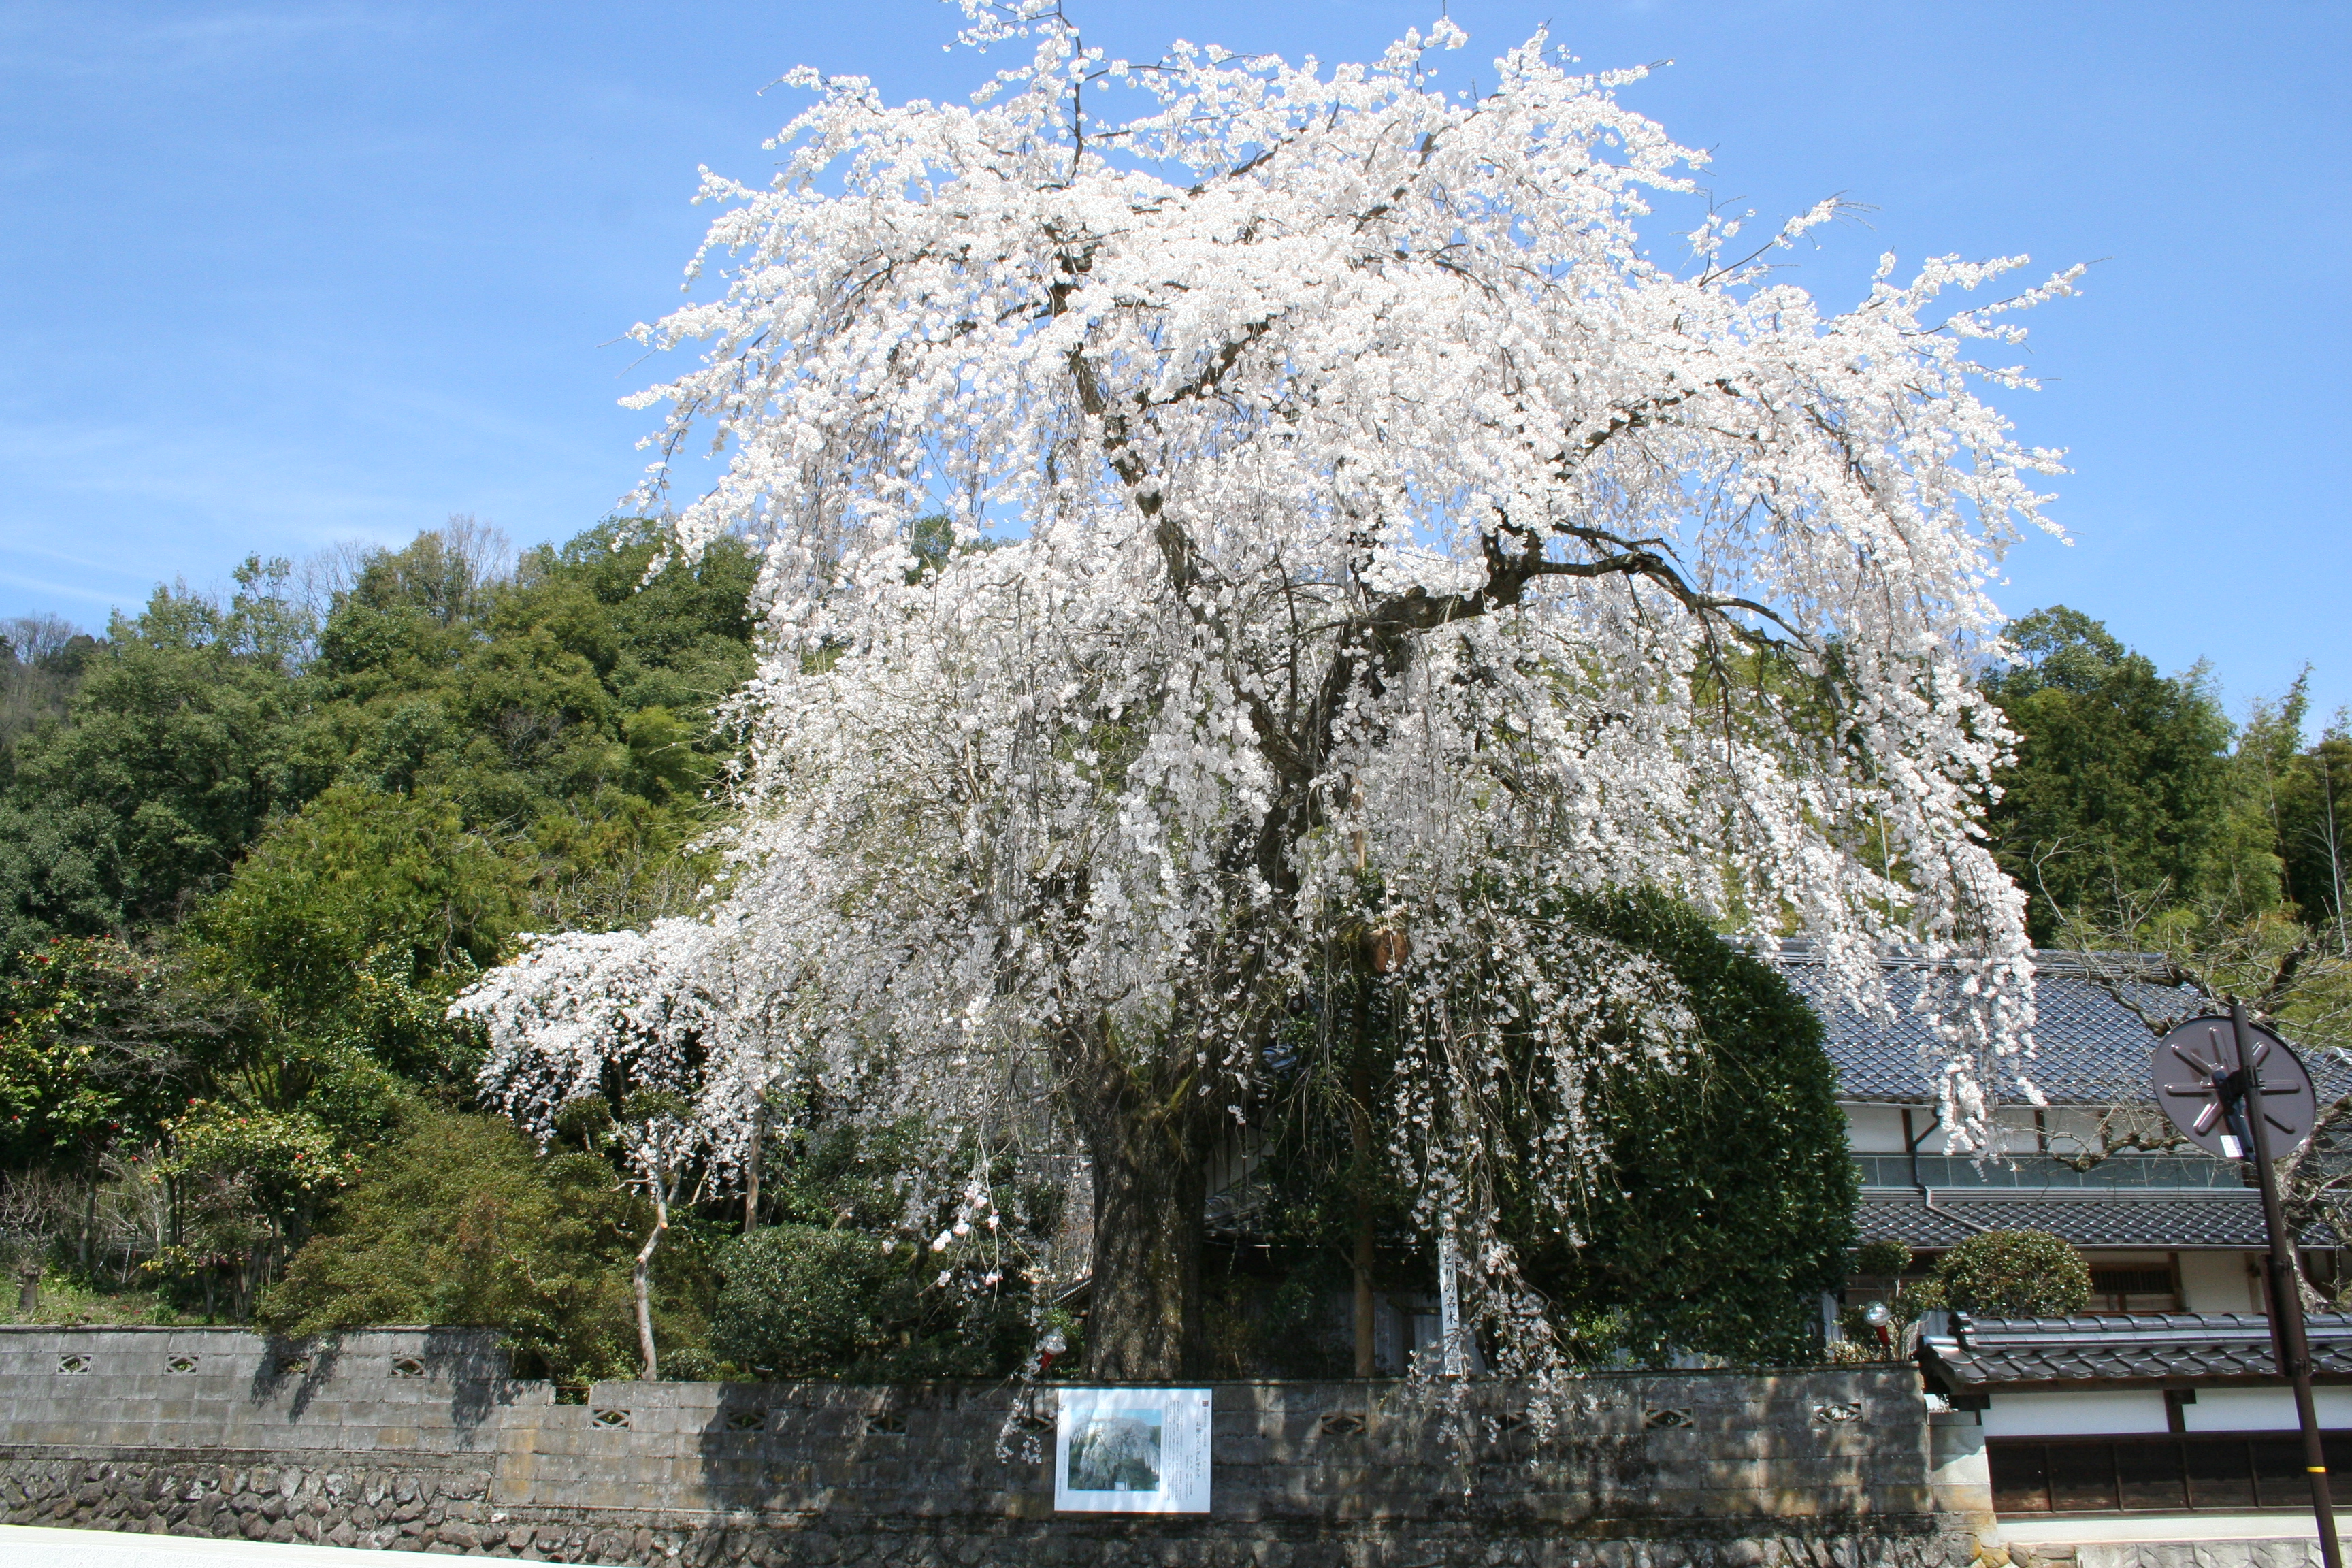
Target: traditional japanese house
[[2163, 1397]]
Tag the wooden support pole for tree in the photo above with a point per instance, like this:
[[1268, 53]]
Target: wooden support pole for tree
[[1360, 1147], [752, 1168]]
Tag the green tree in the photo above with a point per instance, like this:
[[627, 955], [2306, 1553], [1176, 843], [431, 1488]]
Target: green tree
[[322, 818], [2312, 797], [2123, 781], [358, 917], [1729, 1207], [99, 1045], [458, 1220], [2010, 1274], [173, 759], [569, 709], [1729, 1203], [41, 659], [564, 704]]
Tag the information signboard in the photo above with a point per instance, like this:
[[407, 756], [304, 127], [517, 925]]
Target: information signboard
[[1132, 1451]]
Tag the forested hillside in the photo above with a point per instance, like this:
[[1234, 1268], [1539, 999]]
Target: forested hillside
[[251, 847], [2134, 790]]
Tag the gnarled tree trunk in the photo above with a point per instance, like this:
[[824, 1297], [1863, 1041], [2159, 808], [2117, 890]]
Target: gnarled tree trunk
[[1144, 1322], [1149, 1147]]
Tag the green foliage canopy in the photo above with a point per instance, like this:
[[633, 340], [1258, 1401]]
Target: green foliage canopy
[[1725, 1205], [358, 917], [175, 755], [564, 708], [98, 1045], [458, 1220], [2011, 1274], [2122, 785], [279, 832], [1729, 1203]]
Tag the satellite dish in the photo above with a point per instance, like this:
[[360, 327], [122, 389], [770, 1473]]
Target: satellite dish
[[2195, 1070]]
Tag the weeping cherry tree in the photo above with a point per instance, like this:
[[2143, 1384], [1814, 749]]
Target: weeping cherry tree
[[1360, 545]]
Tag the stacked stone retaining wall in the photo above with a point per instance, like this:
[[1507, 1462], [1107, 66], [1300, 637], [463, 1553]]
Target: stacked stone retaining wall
[[420, 1438]]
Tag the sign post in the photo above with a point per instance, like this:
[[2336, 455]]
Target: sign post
[[2210, 1081], [1449, 1302]]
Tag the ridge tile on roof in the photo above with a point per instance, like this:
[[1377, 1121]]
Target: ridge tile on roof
[[1967, 1353]]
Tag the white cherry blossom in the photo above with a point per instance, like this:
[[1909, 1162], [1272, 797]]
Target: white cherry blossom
[[1356, 535]]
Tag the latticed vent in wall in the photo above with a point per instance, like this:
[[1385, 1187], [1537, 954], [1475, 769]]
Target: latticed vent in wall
[[2131, 1279], [746, 1420], [408, 1366], [610, 1418], [72, 1364], [181, 1363]]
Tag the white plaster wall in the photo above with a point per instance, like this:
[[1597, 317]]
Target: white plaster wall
[[2262, 1409], [1874, 1129], [2107, 1412], [2216, 1282], [2013, 1131], [2089, 1413], [2072, 1131], [2016, 1130]]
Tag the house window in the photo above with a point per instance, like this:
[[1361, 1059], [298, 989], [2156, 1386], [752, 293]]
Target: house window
[[2222, 1472], [2135, 1287]]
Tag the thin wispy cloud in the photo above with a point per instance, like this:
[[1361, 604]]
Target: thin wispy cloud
[[49, 589], [68, 40]]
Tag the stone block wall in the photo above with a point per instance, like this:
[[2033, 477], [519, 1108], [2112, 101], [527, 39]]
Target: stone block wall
[[420, 1438]]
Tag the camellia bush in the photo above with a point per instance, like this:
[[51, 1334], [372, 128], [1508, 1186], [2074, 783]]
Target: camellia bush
[[2010, 1274], [1356, 542]]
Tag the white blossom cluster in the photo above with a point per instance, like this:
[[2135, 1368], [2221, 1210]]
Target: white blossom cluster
[[1351, 522]]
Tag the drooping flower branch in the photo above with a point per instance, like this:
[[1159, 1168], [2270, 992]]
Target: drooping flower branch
[[1349, 520]]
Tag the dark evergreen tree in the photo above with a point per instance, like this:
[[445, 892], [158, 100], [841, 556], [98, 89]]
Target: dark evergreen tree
[[2121, 786], [1724, 1207]]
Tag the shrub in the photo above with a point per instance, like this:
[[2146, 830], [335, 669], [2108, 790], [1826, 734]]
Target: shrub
[[459, 1221], [2011, 1274], [800, 1300], [1729, 1201], [1884, 1259], [804, 1303]]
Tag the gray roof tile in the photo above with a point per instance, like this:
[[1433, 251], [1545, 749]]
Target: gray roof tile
[[2187, 1220], [2088, 1048], [1965, 1352]]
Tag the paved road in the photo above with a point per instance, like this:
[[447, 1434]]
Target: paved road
[[21, 1547]]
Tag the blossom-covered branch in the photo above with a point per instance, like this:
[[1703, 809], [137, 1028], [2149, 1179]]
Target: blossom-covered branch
[[1352, 526]]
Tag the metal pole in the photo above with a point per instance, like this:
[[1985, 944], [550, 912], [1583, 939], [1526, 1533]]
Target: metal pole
[[2286, 1293]]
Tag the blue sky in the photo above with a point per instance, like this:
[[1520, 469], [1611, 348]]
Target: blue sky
[[274, 276]]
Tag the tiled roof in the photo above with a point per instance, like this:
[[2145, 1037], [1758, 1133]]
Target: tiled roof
[[2088, 1048], [1968, 1353], [2187, 1220]]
